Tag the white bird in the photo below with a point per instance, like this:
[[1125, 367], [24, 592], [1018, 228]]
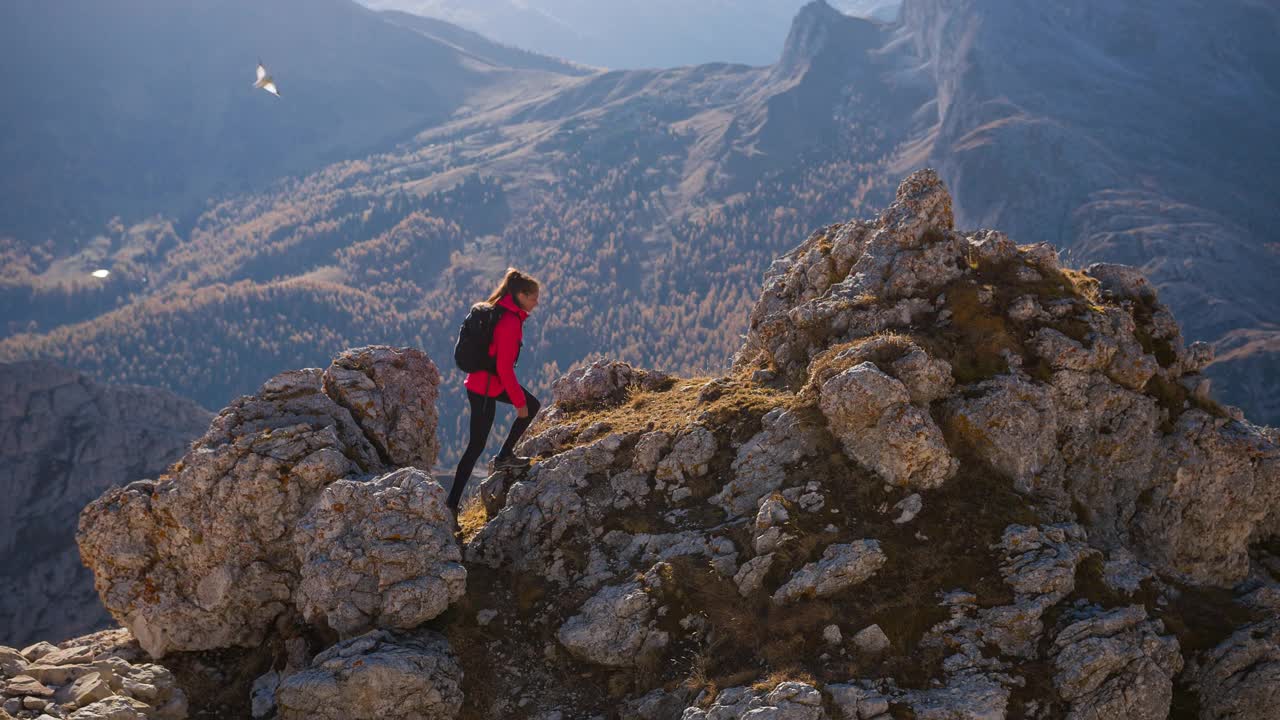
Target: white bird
[[265, 82], [100, 273]]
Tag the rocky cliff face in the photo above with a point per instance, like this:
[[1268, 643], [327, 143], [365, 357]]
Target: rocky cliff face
[[946, 478], [64, 440]]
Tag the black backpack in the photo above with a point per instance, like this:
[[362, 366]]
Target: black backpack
[[474, 338]]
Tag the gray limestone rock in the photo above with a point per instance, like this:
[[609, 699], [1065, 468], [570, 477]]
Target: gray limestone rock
[[618, 626], [857, 701], [377, 675], [203, 557], [95, 676], [544, 507], [871, 640], [548, 442], [1240, 678], [1218, 481], [1009, 422], [690, 453], [391, 394], [1116, 664], [791, 700], [650, 449], [760, 465], [872, 415], [842, 566], [603, 382], [969, 695], [378, 553], [750, 577]]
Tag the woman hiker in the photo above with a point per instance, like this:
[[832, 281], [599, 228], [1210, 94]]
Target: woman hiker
[[517, 295]]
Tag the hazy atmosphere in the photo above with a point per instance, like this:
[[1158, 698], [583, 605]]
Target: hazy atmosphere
[[841, 359]]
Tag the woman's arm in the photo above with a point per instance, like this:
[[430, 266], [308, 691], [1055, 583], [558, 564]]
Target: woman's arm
[[506, 341]]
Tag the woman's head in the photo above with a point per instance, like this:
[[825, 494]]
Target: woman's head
[[522, 288]]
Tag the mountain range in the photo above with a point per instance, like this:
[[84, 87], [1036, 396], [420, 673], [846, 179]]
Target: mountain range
[[630, 35], [650, 201]]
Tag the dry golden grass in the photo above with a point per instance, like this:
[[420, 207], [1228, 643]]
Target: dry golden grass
[[881, 348], [776, 678], [472, 517], [675, 407]]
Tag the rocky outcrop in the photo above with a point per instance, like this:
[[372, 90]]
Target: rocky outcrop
[[1240, 678], [617, 627], [603, 382], [761, 463], [1116, 664], [1077, 389], [64, 439], [788, 701], [377, 675], [842, 566], [98, 676], [379, 553], [981, 481], [873, 416], [204, 557]]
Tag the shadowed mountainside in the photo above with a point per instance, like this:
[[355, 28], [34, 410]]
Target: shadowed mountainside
[[63, 440], [145, 106]]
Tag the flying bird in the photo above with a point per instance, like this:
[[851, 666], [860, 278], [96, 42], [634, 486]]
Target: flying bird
[[100, 273], [265, 82]]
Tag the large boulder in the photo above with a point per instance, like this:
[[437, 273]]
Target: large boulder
[[379, 553], [603, 382], [1240, 678], [381, 674], [618, 626], [841, 566], [1116, 664], [873, 416], [1219, 480], [203, 557], [391, 393]]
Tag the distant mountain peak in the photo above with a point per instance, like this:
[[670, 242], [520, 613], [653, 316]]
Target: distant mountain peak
[[816, 26], [809, 32]]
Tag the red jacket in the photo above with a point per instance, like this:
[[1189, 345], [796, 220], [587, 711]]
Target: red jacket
[[506, 344]]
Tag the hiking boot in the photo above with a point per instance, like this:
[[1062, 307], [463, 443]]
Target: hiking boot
[[511, 462]]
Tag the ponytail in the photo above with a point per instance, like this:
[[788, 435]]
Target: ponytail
[[513, 282]]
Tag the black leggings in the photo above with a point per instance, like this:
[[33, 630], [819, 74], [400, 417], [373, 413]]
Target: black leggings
[[482, 411]]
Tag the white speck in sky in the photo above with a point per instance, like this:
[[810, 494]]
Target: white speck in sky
[[100, 273]]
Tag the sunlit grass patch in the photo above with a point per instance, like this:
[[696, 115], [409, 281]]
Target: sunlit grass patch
[[472, 517]]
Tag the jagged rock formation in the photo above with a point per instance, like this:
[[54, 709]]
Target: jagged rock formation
[[96, 677], [377, 675], [1090, 536], [206, 557], [63, 440], [1056, 364]]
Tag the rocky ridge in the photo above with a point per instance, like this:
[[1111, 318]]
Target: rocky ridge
[[946, 478]]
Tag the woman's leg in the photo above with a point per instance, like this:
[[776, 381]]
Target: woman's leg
[[521, 424], [482, 412]]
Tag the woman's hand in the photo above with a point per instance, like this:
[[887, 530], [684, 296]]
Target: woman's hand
[[522, 412]]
